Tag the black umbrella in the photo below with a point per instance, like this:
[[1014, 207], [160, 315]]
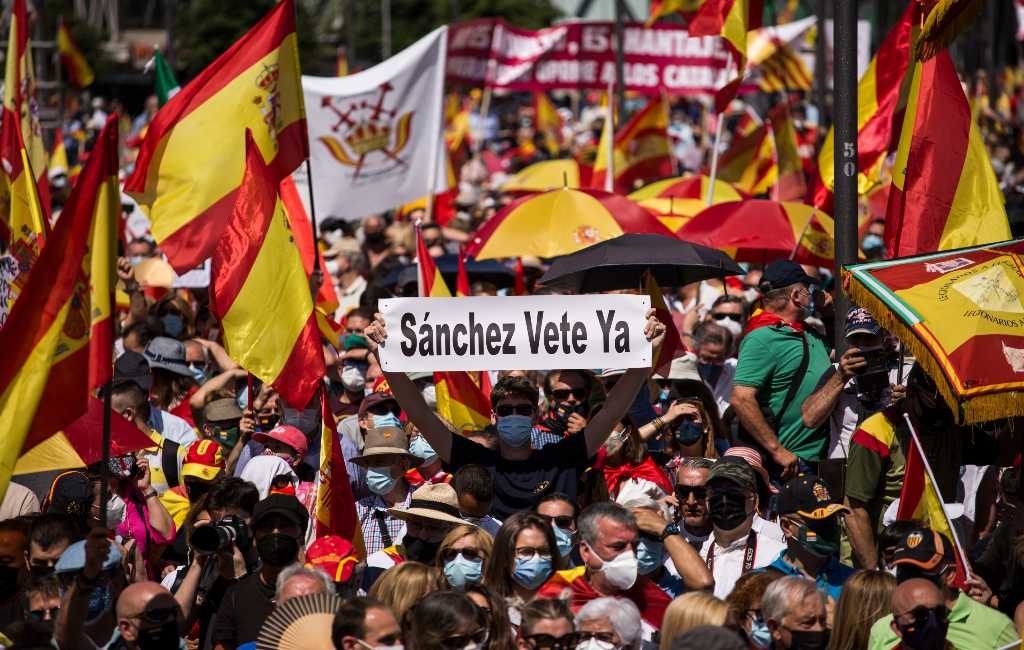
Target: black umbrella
[[621, 263], [501, 276]]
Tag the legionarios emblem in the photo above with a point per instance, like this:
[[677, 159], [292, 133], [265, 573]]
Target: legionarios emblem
[[372, 137]]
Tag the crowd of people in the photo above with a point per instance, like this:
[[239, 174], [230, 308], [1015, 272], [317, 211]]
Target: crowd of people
[[745, 498]]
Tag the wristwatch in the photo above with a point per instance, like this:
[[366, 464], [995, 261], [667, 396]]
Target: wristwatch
[[671, 529]]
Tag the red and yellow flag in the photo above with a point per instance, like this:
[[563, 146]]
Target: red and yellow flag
[[643, 150], [192, 160], [462, 279], [944, 193], [341, 62], [79, 72], [881, 97], [335, 512], [662, 8], [673, 345], [730, 19], [548, 122], [259, 289], [782, 70], [431, 282], [58, 341], [791, 184], [464, 399], [59, 154], [749, 163], [20, 99], [519, 284]]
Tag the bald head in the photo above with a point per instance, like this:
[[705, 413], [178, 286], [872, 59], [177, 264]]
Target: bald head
[[136, 596], [915, 593], [300, 585]]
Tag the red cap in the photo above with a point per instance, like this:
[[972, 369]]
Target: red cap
[[334, 556], [287, 434]]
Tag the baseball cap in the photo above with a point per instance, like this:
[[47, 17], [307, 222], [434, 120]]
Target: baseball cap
[[334, 556], [860, 321], [373, 399], [752, 458], [808, 496], [167, 353], [352, 341], [222, 409], [72, 559], [133, 367], [782, 273], [735, 470], [287, 434], [70, 493], [203, 460], [925, 549], [285, 505]]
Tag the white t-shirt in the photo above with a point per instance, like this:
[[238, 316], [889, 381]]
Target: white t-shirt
[[727, 564]]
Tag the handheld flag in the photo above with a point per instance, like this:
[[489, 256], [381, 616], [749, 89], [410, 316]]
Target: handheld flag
[[335, 511], [431, 282], [642, 150], [462, 279], [165, 85], [191, 162], [259, 289], [463, 400], [58, 341], [749, 163], [547, 122], [730, 19], [673, 345], [663, 8], [944, 193], [791, 184], [79, 72]]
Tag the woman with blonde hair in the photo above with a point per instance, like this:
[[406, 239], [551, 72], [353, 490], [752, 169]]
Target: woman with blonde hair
[[866, 597], [405, 584], [688, 611], [462, 555]]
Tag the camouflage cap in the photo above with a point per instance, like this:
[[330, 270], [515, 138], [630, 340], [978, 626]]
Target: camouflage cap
[[735, 470]]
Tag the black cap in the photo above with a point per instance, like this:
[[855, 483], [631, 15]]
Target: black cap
[[71, 493], [133, 367], [808, 497], [285, 505], [926, 549], [782, 273]]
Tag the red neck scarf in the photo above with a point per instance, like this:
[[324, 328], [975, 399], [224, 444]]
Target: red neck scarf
[[646, 469], [645, 594], [766, 319]]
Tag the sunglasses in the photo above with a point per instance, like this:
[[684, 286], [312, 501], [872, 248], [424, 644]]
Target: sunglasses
[[457, 642], [44, 614], [562, 394], [450, 554], [517, 409], [384, 409], [920, 615], [544, 641], [733, 317], [562, 521], [683, 492]]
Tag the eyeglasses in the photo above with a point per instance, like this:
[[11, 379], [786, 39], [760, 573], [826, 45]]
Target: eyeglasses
[[458, 642], [722, 316], [45, 613], [605, 637], [384, 409], [527, 552], [683, 492], [562, 394], [506, 410], [562, 521], [450, 554], [545, 641]]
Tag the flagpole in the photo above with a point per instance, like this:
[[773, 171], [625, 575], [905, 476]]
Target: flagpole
[[938, 493], [609, 174], [419, 260], [714, 158], [312, 216], [439, 140]]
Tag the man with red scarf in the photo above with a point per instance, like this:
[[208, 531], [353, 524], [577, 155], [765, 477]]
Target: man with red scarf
[[777, 350]]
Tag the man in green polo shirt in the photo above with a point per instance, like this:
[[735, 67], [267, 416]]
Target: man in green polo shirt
[[924, 553], [771, 359]]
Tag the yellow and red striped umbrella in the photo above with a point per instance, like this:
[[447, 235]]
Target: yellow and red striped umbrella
[[760, 231], [548, 175], [687, 186], [674, 213], [559, 222]]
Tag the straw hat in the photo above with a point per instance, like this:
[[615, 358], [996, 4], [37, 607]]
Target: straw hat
[[436, 501]]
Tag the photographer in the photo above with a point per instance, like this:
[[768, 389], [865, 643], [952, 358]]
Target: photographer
[[568, 393]]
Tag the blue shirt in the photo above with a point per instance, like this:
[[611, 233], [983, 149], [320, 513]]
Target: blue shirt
[[830, 580]]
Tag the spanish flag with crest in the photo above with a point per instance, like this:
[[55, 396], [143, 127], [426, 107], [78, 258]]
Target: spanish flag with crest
[[58, 341], [192, 160]]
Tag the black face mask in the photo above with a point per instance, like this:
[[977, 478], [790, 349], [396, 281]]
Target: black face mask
[[38, 571], [376, 241], [420, 550], [727, 509], [930, 633], [8, 581], [807, 640], [165, 637], [277, 549]]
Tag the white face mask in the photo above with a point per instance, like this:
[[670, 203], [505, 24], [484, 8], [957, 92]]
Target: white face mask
[[595, 644], [620, 571], [332, 267], [430, 395], [116, 508], [379, 647], [751, 295], [734, 327], [353, 378]]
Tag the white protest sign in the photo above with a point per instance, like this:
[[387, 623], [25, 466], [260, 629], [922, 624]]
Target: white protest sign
[[515, 333]]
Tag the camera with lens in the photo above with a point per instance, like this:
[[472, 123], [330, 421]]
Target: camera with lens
[[221, 536], [873, 379], [558, 421]]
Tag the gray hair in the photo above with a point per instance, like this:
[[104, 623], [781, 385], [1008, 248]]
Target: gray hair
[[588, 520], [297, 570], [784, 593], [356, 259], [620, 612], [696, 462]]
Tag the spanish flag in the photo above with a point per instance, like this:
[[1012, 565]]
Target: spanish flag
[[260, 292], [881, 96], [730, 19], [335, 511], [19, 97], [464, 399], [790, 184], [79, 72], [431, 282], [663, 8], [59, 155], [642, 151], [58, 341], [462, 279], [547, 122], [944, 193], [192, 160], [749, 163]]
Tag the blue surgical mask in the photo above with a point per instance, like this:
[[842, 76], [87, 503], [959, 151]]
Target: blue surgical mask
[[872, 242], [386, 420], [420, 448], [649, 556], [515, 430], [173, 325], [688, 432], [461, 572], [563, 538], [379, 480], [760, 635], [198, 374], [663, 395], [532, 573]]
